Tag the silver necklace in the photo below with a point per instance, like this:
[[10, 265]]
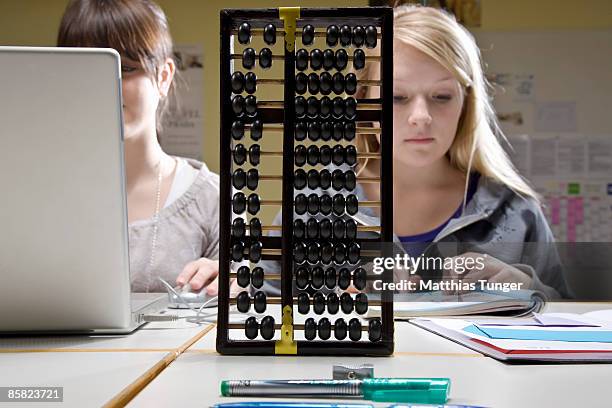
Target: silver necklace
[[155, 223]]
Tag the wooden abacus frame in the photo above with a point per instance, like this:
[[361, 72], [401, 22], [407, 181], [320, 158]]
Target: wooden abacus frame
[[382, 18]]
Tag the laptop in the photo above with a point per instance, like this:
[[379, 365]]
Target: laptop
[[64, 264]]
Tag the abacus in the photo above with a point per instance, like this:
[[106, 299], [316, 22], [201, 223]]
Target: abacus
[[321, 248]]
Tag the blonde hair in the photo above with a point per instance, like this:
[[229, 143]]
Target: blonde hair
[[476, 145]]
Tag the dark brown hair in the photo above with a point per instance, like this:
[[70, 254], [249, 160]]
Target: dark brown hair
[[137, 29]]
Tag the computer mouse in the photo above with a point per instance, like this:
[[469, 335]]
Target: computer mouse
[[193, 299]]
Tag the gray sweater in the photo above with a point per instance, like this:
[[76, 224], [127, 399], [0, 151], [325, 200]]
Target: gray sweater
[[188, 229]]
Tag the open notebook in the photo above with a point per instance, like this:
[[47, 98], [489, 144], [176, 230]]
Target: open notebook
[[515, 303]]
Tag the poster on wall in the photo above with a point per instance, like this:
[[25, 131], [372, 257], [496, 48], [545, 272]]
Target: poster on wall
[[182, 127]]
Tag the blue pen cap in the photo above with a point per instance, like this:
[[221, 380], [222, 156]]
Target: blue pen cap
[[412, 390]]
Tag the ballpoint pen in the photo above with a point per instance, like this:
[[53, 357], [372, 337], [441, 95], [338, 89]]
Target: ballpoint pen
[[410, 390]]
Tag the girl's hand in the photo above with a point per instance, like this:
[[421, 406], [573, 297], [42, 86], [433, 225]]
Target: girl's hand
[[486, 267], [201, 273]]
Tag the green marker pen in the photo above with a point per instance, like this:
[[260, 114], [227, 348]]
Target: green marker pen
[[413, 390]]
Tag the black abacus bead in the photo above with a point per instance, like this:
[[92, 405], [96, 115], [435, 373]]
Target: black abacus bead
[[350, 108], [324, 329], [325, 181], [300, 155], [238, 203], [312, 155], [352, 204], [253, 204], [314, 179], [256, 130], [339, 253], [301, 59], [350, 154], [345, 35], [299, 229], [338, 107], [257, 277], [248, 58], [326, 83], [244, 33], [237, 251], [238, 228], [318, 277], [243, 302], [325, 227], [269, 34], [266, 327], [325, 109], [237, 82], [314, 254], [318, 303], [301, 83], [338, 204], [303, 302], [338, 83], [351, 229], [265, 58], [371, 36], [329, 59], [359, 59], [312, 109], [240, 154], [330, 278], [254, 154], [339, 229], [361, 303], [350, 180], [313, 204], [327, 128], [308, 34], [239, 179], [349, 133], [243, 276], [255, 252], [374, 330], [341, 59], [338, 131], [300, 106], [313, 83], [346, 303], [338, 181], [359, 278], [251, 328], [340, 329], [250, 105], [301, 129], [259, 302], [353, 253], [350, 83], [299, 179], [312, 228], [327, 253], [255, 228], [338, 155], [301, 204], [354, 329], [302, 277], [344, 278], [316, 59], [333, 303], [332, 34], [325, 205], [358, 36], [299, 252], [238, 105], [252, 179], [325, 155], [250, 82], [310, 329]]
